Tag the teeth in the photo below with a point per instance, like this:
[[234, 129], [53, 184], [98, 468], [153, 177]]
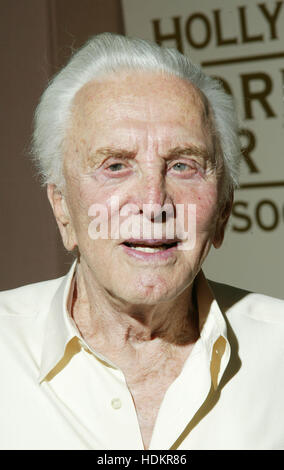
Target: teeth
[[148, 249]]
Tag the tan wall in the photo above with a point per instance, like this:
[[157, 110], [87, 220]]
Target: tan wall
[[37, 37]]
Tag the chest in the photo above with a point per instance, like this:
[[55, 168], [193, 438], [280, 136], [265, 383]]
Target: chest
[[148, 390], [147, 401]]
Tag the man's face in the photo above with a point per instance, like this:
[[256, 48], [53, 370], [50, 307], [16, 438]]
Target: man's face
[[143, 139]]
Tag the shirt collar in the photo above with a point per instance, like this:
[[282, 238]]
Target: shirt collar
[[213, 330], [60, 328]]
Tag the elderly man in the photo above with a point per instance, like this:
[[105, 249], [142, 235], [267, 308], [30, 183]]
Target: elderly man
[[134, 348]]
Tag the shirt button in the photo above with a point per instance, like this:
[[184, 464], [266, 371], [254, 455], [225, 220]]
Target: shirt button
[[116, 403]]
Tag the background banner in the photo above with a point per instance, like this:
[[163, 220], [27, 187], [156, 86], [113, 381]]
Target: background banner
[[241, 43]]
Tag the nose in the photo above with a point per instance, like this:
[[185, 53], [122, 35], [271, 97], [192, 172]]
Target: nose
[[152, 195]]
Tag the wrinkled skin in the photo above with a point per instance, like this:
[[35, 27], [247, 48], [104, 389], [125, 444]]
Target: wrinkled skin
[[148, 115], [144, 138]]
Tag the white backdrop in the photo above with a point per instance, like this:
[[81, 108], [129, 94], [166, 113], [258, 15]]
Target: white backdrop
[[242, 43]]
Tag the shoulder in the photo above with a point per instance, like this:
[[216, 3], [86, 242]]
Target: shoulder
[[255, 330], [28, 299], [234, 301]]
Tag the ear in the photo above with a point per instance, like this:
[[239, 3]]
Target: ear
[[225, 213], [62, 216]]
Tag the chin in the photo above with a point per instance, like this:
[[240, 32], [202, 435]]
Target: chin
[[150, 290]]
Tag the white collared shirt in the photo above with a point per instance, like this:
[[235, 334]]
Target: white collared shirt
[[58, 393]]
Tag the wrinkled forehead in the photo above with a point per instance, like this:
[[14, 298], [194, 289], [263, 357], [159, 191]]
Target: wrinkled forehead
[[119, 109], [125, 89]]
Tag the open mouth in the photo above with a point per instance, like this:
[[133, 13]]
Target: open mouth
[[151, 246]]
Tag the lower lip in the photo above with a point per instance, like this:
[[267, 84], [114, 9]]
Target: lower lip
[[149, 257]]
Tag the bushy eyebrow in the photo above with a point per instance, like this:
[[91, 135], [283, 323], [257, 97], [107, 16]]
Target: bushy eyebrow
[[190, 150], [108, 152]]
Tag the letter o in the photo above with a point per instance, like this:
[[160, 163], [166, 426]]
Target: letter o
[[204, 19], [269, 203]]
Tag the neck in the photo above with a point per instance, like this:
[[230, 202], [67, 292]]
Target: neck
[[106, 322]]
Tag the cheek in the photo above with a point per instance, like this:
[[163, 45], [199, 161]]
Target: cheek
[[205, 201], [94, 212], [92, 198], [206, 214]]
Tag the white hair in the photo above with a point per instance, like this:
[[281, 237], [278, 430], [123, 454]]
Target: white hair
[[108, 53]]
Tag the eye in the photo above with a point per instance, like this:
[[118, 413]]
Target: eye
[[185, 169], [181, 166], [115, 167]]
